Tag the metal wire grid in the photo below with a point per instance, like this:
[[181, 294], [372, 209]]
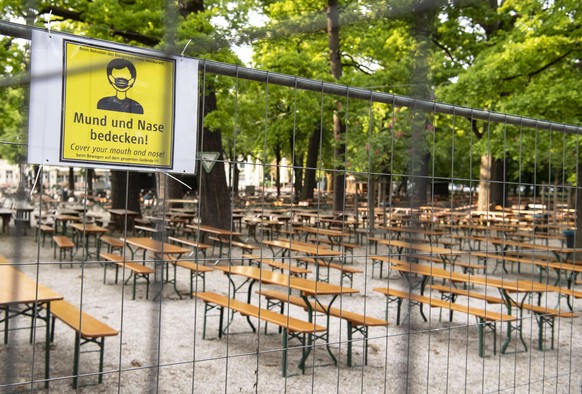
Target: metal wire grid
[[410, 361]]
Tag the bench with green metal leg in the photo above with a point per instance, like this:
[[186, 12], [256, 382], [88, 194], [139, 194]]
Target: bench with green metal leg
[[292, 328], [87, 330]]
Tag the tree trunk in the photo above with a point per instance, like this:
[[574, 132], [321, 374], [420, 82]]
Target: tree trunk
[[578, 202], [339, 181], [297, 177], [71, 180], [491, 183], [333, 37], [235, 178], [214, 196], [278, 169], [90, 176], [120, 185], [311, 165], [420, 154], [371, 203]]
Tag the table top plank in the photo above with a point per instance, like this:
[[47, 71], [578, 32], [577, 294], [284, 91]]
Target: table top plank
[[307, 286], [17, 288], [155, 246]]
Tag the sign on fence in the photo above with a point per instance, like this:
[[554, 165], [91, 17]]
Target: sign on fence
[[99, 104]]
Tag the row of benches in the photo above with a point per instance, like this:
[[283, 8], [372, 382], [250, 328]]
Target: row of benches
[[290, 327]]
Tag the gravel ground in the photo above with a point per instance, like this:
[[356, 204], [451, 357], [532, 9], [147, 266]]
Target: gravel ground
[[160, 346]]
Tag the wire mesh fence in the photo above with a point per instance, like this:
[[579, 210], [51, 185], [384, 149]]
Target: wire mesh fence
[[446, 259]]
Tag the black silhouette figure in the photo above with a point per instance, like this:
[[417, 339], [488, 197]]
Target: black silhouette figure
[[121, 74]]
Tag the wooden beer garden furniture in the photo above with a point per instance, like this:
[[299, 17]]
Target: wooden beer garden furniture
[[307, 288], [87, 230], [17, 289], [158, 249]]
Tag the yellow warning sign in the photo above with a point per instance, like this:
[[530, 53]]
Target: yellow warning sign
[[118, 107]]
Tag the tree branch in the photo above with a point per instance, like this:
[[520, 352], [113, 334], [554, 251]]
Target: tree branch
[[355, 64], [445, 49], [539, 70], [79, 16], [475, 129]]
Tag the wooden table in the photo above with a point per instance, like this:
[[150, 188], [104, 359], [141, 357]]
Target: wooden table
[[17, 289], [431, 235], [252, 223], [118, 216], [158, 248], [64, 219], [306, 217], [203, 230], [305, 287], [300, 247], [507, 289], [335, 236], [89, 230], [6, 215], [308, 250], [447, 256]]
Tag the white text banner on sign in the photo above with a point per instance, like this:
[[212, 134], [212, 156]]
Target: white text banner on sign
[[98, 104]]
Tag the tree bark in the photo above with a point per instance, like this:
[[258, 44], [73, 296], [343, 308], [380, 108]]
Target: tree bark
[[491, 183], [215, 202], [90, 176], [309, 182], [333, 37], [578, 202], [71, 180], [120, 184], [278, 169]]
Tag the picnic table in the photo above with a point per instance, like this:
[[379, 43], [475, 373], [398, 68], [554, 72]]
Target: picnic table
[[307, 288], [509, 289], [308, 250], [88, 230], [253, 222], [335, 236], [17, 289], [64, 219], [446, 255], [204, 229], [6, 215], [159, 249], [118, 217]]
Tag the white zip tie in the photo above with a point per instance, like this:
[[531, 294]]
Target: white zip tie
[[49, 21], [174, 178], [36, 180], [185, 46]]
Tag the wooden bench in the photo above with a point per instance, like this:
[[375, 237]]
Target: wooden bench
[[295, 271], [346, 247], [87, 330], [197, 246], [380, 260], [509, 257], [196, 270], [139, 271], [64, 244], [355, 322], [292, 327], [485, 318], [468, 268], [43, 230], [346, 272], [246, 248], [112, 243], [543, 314], [143, 230]]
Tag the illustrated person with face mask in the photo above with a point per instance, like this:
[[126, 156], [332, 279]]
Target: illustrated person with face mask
[[121, 74]]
